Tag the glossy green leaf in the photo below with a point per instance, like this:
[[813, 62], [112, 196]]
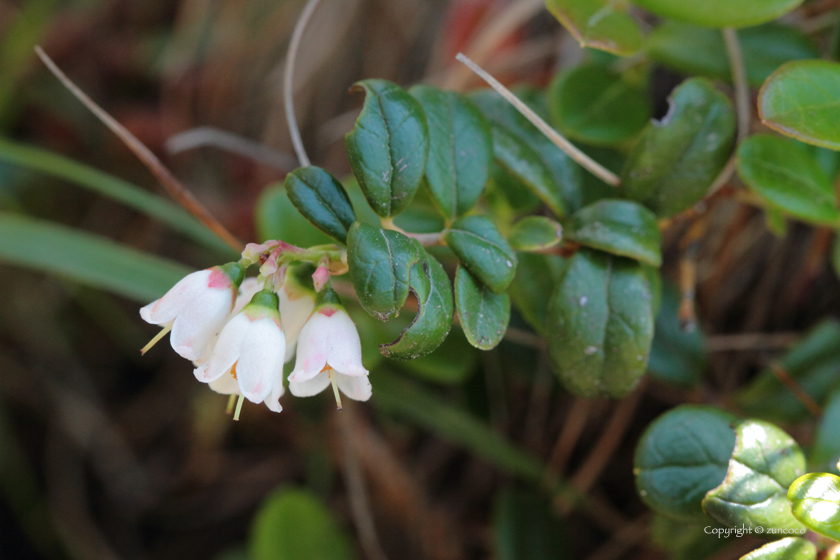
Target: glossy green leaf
[[681, 456], [720, 13], [460, 149], [599, 24], [380, 262], [322, 200], [277, 218], [815, 501], [86, 258], [526, 528], [699, 50], [388, 146], [619, 227], [430, 285], [800, 100], [452, 363], [789, 548], [293, 524], [526, 154], [152, 205], [599, 326], [536, 276], [535, 233], [787, 176], [676, 160], [677, 356], [813, 363], [754, 493], [484, 315], [483, 250], [825, 450], [592, 104]]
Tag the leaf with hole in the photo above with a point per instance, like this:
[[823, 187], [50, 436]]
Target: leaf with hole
[[720, 13], [677, 159], [322, 200], [754, 493], [815, 501], [460, 149], [681, 456], [788, 177], [535, 233], [483, 250], [484, 315], [619, 227], [598, 24], [599, 326], [800, 100], [592, 104], [388, 146]]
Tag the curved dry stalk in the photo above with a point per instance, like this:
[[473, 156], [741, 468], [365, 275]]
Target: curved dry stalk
[[288, 76], [229, 142], [174, 187], [559, 140]]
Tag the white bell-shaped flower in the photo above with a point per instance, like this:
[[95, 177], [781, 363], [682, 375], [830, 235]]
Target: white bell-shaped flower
[[250, 349], [329, 351], [196, 308], [248, 289]]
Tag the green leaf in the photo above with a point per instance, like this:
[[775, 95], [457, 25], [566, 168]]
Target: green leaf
[[483, 250], [720, 13], [536, 276], [677, 159], [277, 218], [380, 261], [789, 548], [86, 258], [526, 154], [535, 233], [699, 50], [677, 356], [619, 227], [484, 315], [150, 204], [594, 105], [322, 200], [600, 325], [293, 524], [683, 540], [825, 450], [460, 149], [388, 146], [430, 285], [599, 24], [800, 100], [680, 457], [754, 493], [787, 176], [815, 501], [452, 363], [526, 528], [813, 363]]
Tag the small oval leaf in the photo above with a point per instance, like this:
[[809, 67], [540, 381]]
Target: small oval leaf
[[536, 276], [599, 24], [535, 233], [600, 325], [483, 250], [620, 227], [276, 217], [800, 100], [786, 175], [484, 315], [815, 501], [754, 493], [680, 457], [594, 105], [789, 548], [322, 200], [380, 262], [720, 13], [460, 149], [676, 160], [388, 147]]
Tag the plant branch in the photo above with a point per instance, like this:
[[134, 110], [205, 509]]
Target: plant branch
[[177, 190], [288, 76], [560, 141]]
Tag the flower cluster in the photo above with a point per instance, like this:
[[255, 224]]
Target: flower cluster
[[240, 332]]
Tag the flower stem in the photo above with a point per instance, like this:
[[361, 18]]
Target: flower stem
[[156, 339], [238, 407]]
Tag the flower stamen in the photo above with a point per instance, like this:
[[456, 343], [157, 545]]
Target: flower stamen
[[335, 389], [238, 407], [156, 339], [231, 401]]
